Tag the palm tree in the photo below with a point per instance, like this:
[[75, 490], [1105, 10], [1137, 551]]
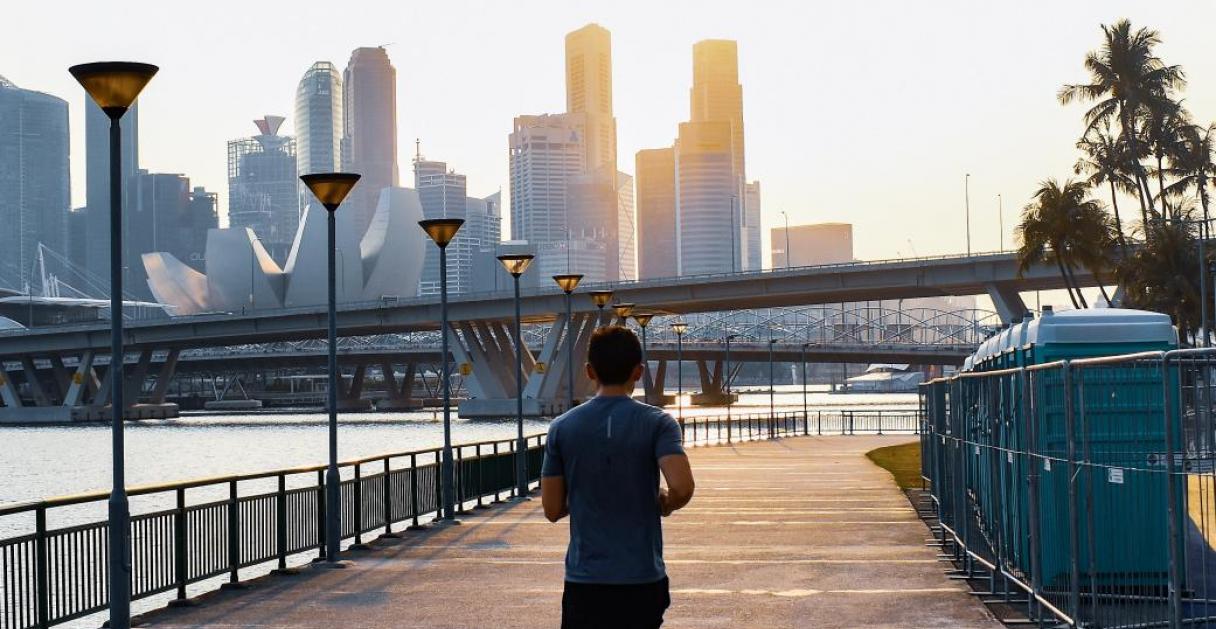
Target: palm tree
[[1164, 121], [1106, 160], [1191, 166], [1160, 275], [1063, 226], [1126, 77]]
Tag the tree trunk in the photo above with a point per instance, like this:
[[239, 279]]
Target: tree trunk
[[1114, 202], [1165, 208], [1067, 281], [1141, 177], [1076, 285]]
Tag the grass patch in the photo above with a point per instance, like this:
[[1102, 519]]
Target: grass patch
[[902, 461]]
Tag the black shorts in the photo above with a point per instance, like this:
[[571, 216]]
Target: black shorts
[[598, 606]]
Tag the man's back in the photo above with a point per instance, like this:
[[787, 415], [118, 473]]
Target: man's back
[[608, 450]]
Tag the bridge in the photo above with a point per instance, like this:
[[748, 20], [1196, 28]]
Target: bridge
[[479, 324]]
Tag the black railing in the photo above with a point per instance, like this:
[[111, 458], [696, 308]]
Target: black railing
[[720, 429], [52, 575]]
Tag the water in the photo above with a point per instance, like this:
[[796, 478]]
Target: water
[[42, 461]]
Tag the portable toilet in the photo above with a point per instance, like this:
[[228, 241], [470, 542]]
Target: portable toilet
[[1119, 429]]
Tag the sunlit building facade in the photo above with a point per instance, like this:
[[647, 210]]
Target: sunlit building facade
[[369, 145], [589, 92], [656, 212], [318, 122]]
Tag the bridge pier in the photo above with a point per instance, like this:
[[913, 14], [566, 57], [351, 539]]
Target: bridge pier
[[51, 391], [1007, 300], [713, 389], [400, 398]]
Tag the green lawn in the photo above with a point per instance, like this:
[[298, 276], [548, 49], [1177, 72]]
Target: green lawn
[[902, 461]]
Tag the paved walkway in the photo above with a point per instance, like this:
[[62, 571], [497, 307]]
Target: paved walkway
[[802, 532]]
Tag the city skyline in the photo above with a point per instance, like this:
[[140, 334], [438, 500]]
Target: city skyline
[[814, 154]]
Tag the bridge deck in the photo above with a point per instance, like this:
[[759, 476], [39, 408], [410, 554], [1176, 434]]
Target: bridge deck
[[802, 532]]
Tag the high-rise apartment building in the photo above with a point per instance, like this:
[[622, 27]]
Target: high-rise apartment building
[[319, 122], [263, 188], [369, 145], [589, 91], [34, 181], [707, 214], [97, 181], [656, 212], [163, 214], [443, 194]]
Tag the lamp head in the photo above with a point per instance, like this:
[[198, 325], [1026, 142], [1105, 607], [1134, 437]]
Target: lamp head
[[643, 318], [679, 327], [330, 188], [623, 310], [113, 85], [568, 281], [516, 263], [601, 298], [441, 230]]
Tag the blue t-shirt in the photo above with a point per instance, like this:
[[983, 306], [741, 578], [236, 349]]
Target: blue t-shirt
[[608, 451]]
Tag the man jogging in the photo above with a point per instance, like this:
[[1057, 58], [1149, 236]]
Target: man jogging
[[602, 464]]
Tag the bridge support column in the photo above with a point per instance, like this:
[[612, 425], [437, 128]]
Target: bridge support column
[[1007, 300], [400, 398], [8, 390], [81, 379], [32, 381], [350, 395], [713, 389], [167, 370], [654, 389]]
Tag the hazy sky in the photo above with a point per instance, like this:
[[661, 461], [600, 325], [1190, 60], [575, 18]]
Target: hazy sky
[[868, 112]]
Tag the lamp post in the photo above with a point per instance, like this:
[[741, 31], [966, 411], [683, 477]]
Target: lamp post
[[806, 415], [1000, 221], [643, 319], [727, 377], [442, 231], [601, 298], [787, 238], [967, 201], [114, 86], [568, 282], [679, 327], [772, 400], [516, 264], [623, 311], [330, 189]]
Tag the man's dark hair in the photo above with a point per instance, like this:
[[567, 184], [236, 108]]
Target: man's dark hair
[[614, 352]]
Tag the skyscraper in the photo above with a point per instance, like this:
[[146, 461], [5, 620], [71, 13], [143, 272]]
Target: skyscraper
[[263, 187], [97, 181], [34, 181], [707, 216], [656, 212], [163, 214], [443, 194], [319, 120], [589, 91], [626, 230], [369, 145], [752, 260], [546, 154], [716, 95]]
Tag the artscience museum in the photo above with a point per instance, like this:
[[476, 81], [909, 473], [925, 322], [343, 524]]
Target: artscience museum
[[242, 276]]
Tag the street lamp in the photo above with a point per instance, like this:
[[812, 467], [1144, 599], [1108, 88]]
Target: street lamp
[[516, 264], [727, 376], [643, 319], [442, 231], [772, 404], [568, 282], [679, 327], [967, 200], [330, 189], [600, 298], [787, 238], [623, 311], [114, 86]]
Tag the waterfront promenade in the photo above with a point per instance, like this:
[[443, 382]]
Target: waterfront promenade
[[798, 532]]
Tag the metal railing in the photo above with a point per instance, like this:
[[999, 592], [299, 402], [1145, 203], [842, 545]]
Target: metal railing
[[1082, 489], [211, 528], [722, 429]]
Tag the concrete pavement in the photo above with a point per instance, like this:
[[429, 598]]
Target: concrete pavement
[[800, 532]]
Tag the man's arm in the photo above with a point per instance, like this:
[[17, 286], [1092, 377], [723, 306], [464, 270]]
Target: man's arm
[[553, 497], [680, 485]]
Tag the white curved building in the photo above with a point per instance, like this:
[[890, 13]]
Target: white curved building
[[241, 276]]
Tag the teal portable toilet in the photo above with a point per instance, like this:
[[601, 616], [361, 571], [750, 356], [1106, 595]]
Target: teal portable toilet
[[1119, 427]]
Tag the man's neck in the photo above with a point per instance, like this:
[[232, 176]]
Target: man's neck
[[614, 390]]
